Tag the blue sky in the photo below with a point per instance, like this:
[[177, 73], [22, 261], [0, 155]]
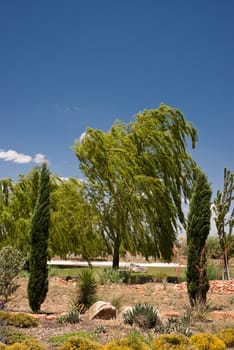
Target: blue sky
[[68, 65]]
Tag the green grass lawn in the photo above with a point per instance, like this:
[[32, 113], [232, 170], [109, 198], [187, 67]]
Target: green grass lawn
[[214, 272]]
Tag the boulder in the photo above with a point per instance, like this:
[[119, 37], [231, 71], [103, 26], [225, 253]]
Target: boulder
[[103, 310], [136, 268]]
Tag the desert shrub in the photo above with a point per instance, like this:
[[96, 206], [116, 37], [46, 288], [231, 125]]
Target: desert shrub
[[59, 339], [174, 325], [227, 336], [109, 275], [142, 315], [11, 337], [11, 263], [116, 301], [207, 341], [77, 343], [86, 292], [160, 277], [73, 316], [125, 275], [26, 345], [196, 313], [173, 341], [134, 341], [18, 319]]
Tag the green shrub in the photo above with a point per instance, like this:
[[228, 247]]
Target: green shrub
[[11, 337], [11, 263], [131, 342], [174, 341], [57, 340], [77, 343], [198, 312], [73, 316], [227, 336], [160, 277], [116, 301], [86, 292], [207, 341], [142, 315], [174, 325], [18, 319], [109, 275]]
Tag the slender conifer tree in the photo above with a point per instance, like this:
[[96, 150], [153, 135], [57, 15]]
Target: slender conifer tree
[[38, 278], [197, 232]]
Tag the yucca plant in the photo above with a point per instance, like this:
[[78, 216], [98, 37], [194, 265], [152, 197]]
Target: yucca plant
[[142, 315], [86, 293]]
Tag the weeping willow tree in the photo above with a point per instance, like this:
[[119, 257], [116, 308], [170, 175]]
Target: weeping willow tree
[[73, 221], [136, 175], [17, 202]]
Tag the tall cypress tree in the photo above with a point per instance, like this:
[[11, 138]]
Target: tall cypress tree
[[38, 278], [197, 232]]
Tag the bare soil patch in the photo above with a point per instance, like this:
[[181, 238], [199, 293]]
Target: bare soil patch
[[170, 299]]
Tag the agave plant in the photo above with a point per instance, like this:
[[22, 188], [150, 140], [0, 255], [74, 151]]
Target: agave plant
[[142, 315]]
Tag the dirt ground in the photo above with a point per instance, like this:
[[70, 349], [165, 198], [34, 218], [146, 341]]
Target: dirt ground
[[170, 299]]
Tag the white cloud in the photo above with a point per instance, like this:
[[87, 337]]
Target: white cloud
[[13, 156], [39, 158], [20, 158]]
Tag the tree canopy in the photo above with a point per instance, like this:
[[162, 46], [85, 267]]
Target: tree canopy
[[136, 174]]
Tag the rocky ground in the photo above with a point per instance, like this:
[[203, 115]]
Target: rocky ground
[[170, 299]]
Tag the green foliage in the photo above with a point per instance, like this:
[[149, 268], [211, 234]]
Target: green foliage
[[109, 275], [18, 319], [86, 293], [207, 341], [57, 340], [73, 316], [116, 301], [160, 277], [132, 342], [136, 174], [175, 325], [11, 337], [38, 278], [196, 313], [77, 343], [213, 273], [172, 341], [227, 336], [17, 200], [142, 315], [197, 232], [213, 248], [73, 219], [11, 263]]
